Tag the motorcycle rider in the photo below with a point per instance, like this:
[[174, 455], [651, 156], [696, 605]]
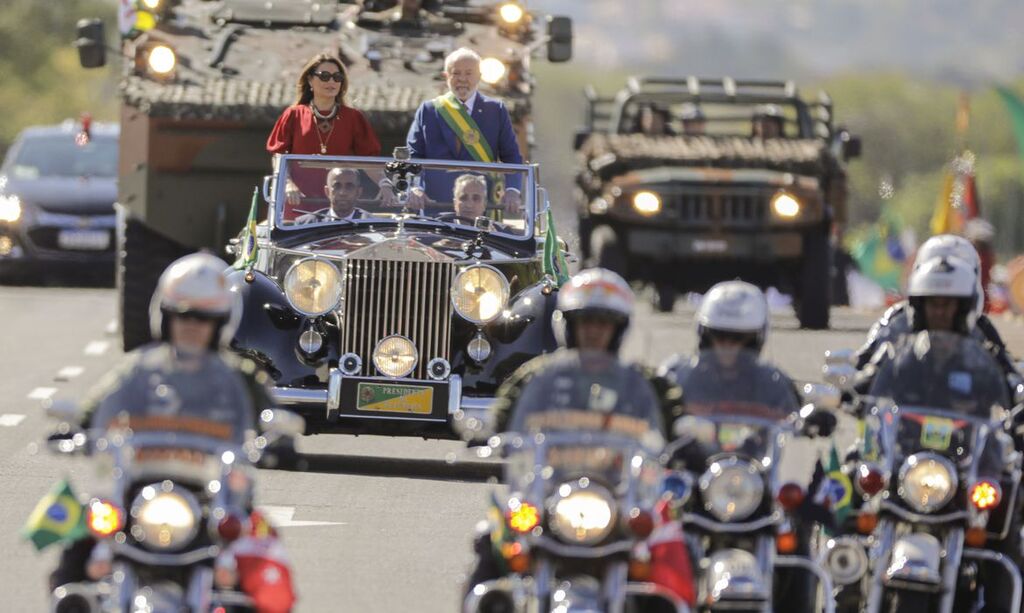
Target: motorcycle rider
[[185, 372]]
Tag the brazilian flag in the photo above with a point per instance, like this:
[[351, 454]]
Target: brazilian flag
[[838, 490], [57, 517], [248, 246], [554, 263]]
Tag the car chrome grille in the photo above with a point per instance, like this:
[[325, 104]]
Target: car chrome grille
[[733, 207], [385, 297]]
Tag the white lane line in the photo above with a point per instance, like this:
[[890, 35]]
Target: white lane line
[[68, 373], [281, 517], [42, 393], [96, 347], [9, 420]]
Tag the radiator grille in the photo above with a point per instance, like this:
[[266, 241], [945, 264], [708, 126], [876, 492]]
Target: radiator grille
[[740, 208], [385, 297]]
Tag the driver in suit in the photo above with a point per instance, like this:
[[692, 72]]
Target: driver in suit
[[343, 189]]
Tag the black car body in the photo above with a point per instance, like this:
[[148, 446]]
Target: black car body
[[58, 185], [390, 275]]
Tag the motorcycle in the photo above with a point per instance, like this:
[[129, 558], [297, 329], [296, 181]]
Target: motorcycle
[[181, 495], [571, 529], [936, 483]]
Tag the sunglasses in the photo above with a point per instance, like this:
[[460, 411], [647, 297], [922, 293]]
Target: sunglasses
[[325, 76], [199, 316], [736, 337]]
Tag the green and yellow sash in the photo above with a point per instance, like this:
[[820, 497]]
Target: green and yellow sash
[[454, 114]]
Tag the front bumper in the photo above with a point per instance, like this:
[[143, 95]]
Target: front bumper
[[58, 238], [662, 244]]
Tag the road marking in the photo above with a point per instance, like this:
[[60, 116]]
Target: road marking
[[42, 393], [9, 420], [68, 373], [281, 517], [96, 347]]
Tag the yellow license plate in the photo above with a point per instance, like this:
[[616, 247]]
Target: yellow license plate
[[389, 398]]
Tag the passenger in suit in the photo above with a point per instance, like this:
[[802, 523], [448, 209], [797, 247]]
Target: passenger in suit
[[463, 124], [343, 189]]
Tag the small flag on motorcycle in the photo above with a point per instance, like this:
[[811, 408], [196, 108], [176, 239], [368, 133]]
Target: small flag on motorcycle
[[58, 517]]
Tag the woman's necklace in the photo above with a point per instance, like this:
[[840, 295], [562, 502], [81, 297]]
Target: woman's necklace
[[325, 125]]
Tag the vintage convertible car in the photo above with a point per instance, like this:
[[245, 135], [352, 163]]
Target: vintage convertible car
[[375, 308]]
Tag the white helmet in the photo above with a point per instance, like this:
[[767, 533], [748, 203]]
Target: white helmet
[[945, 276], [597, 291], [196, 284], [737, 307], [958, 247]]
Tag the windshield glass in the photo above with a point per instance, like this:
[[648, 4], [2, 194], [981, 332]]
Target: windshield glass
[[750, 437], [923, 430], [57, 155], [734, 381], [668, 116], [490, 197]]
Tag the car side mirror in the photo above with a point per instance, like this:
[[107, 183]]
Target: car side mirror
[[91, 43], [65, 411], [851, 145], [559, 39], [281, 423]]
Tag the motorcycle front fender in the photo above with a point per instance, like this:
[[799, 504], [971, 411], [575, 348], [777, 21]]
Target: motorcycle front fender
[[915, 561]]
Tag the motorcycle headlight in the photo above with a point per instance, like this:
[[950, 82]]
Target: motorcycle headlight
[[479, 294], [313, 286], [927, 482], [582, 515], [732, 489], [164, 519]]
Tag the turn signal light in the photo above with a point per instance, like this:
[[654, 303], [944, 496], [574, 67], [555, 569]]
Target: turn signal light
[[866, 523], [870, 479], [975, 536], [640, 523], [786, 542], [524, 517], [639, 570], [104, 518], [518, 561], [791, 496], [985, 495]]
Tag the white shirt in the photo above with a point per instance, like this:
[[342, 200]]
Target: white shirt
[[470, 102]]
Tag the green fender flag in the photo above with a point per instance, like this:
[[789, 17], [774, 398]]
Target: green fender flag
[[247, 246], [58, 517], [1015, 107], [554, 260]]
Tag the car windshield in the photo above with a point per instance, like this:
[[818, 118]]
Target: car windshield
[[666, 116], [495, 198], [58, 155]]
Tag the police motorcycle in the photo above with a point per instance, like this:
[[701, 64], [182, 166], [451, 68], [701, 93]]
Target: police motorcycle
[[746, 529], [936, 479], [571, 527], [181, 493]]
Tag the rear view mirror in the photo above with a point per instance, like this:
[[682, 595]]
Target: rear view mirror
[[91, 43], [65, 411], [559, 39]]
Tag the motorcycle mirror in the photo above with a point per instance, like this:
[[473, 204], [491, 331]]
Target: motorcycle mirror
[[822, 395], [61, 410], [840, 375], [840, 356], [66, 442], [282, 423]]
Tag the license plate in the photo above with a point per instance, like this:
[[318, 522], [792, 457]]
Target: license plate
[[391, 398], [937, 433], [701, 245], [92, 240]]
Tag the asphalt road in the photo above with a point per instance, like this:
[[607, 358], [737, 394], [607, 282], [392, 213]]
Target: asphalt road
[[379, 524]]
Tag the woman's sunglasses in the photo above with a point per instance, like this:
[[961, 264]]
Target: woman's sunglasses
[[326, 76]]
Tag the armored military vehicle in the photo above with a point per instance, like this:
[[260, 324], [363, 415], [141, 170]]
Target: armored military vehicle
[[204, 81], [686, 182]]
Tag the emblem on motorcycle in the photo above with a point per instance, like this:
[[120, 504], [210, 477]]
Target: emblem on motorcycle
[[937, 433]]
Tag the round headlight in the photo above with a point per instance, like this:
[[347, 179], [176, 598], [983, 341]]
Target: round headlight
[[162, 60], [927, 482], [313, 286], [583, 516], [164, 520], [395, 356], [511, 12], [785, 205], [10, 208], [479, 294], [492, 70], [732, 489], [646, 203]]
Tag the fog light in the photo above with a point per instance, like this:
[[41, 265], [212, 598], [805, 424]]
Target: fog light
[[439, 369], [350, 364], [479, 349], [395, 356], [310, 341]]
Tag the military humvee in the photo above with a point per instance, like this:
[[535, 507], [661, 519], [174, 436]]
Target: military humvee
[[204, 81], [681, 186]]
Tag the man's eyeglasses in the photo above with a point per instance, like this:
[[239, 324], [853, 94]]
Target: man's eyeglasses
[[199, 316], [326, 75]]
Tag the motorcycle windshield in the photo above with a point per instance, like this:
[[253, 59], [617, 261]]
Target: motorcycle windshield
[[942, 432], [734, 381], [751, 437]]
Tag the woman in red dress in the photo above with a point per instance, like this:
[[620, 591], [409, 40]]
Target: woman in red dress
[[320, 122]]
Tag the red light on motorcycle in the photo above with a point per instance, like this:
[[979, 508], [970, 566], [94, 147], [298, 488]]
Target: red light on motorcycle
[[975, 536], [640, 523], [985, 495], [870, 479], [786, 542], [518, 561], [791, 496], [104, 518], [866, 522], [524, 517], [229, 528]]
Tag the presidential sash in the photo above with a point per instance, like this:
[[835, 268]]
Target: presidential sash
[[454, 114]]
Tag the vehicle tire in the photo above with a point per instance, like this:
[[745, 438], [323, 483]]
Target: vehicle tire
[[607, 253], [812, 305], [142, 254]]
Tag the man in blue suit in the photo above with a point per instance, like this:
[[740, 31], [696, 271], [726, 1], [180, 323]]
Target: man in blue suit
[[463, 124]]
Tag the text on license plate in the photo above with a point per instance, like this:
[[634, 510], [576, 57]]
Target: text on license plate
[[709, 245], [94, 240], [389, 398]]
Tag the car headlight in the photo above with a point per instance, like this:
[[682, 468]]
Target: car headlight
[[395, 356], [313, 286], [785, 205], [582, 516], [492, 70], [479, 294], [732, 489], [927, 482], [164, 519], [511, 13], [161, 60], [10, 208], [646, 203]]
